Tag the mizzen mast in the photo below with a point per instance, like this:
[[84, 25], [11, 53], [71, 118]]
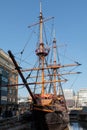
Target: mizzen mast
[[54, 62], [55, 70]]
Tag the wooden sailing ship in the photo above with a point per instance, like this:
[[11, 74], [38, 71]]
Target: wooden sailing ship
[[49, 104]]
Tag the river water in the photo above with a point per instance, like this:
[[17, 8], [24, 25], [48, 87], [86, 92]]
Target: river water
[[77, 126]]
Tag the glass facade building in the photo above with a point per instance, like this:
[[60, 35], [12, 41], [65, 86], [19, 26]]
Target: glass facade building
[[8, 76], [3, 89]]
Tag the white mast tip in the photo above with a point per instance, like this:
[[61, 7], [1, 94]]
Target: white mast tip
[[40, 6]]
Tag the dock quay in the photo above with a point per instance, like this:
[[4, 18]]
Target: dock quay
[[78, 114], [82, 116], [14, 123], [73, 115], [24, 122]]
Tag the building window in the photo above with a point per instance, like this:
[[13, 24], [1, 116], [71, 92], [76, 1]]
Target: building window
[[4, 88], [14, 100], [10, 90], [4, 79], [1, 69]]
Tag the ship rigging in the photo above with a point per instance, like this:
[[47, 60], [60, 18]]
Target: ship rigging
[[49, 103]]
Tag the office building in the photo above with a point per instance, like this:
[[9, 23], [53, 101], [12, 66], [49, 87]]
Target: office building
[[8, 76], [82, 97], [69, 96]]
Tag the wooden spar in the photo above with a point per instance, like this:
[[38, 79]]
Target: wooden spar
[[39, 23], [32, 83], [67, 73], [52, 67], [21, 75]]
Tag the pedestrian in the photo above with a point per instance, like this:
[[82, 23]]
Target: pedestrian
[[18, 115]]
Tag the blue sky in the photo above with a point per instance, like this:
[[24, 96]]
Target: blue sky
[[70, 24]]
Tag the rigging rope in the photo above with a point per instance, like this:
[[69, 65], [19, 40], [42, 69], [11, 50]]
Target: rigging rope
[[74, 81]]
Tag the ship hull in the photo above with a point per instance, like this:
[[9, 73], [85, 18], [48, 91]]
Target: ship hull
[[50, 117], [49, 110], [44, 118]]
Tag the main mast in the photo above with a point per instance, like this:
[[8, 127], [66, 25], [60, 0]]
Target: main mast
[[41, 51]]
